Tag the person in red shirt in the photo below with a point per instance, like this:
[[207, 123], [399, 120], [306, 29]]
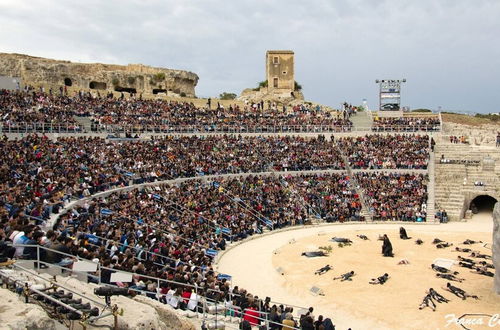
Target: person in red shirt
[[186, 294], [251, 315]]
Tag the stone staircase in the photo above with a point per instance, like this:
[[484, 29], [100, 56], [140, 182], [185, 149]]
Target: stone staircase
[[361, 121], [431, 190], [84, 121], [356, 186]]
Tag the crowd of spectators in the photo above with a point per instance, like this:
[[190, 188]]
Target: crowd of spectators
[[31, 107], [18, 107], [37, 174], [406, 124], [173, 231], [386, 151], [395, 196]]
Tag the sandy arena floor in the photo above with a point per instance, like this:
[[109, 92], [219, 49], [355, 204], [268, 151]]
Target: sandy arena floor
[[358, 304]]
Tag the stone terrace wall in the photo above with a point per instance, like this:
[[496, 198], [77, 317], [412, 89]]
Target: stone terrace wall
[[38, 71]]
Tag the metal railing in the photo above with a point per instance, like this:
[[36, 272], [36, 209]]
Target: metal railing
[[96, 277], [49, 128]]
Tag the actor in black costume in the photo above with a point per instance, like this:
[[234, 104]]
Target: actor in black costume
[[442, 269], [484, 271], [469, 242], [380, 280], [466, 265], [403, 234], [459, 292], [345, 277], [323, 270], [387, 247], [450, 277], [457, 249]]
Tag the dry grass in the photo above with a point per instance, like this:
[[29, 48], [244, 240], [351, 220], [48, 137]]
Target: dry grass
[[467, 120]]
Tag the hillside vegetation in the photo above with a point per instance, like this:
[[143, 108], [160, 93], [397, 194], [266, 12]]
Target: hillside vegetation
[[467, 120]]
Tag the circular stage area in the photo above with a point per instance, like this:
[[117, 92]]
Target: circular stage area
[[257, 265]]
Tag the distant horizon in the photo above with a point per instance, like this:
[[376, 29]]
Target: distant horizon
[[464, 112], [448, 51]]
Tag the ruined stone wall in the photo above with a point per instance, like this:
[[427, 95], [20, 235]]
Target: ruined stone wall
[[37, 71], [496, 246]]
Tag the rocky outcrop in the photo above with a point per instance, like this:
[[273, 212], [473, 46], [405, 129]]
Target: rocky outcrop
[[496, 245], [275, 95], [38, 71], [478, 136], [169, 316], [15, 314]]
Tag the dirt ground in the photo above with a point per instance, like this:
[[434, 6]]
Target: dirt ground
[[358, 304]]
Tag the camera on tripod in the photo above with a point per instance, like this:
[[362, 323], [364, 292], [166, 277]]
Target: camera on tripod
[[108, 291]]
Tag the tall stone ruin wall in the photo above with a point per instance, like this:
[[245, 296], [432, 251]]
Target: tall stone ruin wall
[[38, 71], [496, 246]]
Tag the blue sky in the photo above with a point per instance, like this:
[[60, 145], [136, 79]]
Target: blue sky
[[448, 50]]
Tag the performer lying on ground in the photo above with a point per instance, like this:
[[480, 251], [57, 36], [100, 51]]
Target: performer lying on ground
[[480, 255], [450, 277], [469, 242], [459, 292], [428, 300], [436, 241], [483, 271], [363, 237], [323, 270], [443, 245], [439, 298], [466, 260], [314, 254], [442, 269], [466, 265], [341, 240], [345, 277], [487, 265], [419, 242], [380, 280], [457, 249]]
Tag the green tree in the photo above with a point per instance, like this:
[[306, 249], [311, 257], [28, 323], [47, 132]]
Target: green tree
[[297, 86], [131, 80], [160, 76], [263, 84], [227, 96]]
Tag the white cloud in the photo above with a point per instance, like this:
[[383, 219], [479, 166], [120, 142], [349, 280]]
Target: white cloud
[[448, 50]]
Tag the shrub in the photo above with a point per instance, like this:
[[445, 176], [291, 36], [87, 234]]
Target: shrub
[[227, 96], [421, 110], [183, 94], [115, 81], [490, 116], [131, 80], [297, 87], [160, 76], [327, 249]]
